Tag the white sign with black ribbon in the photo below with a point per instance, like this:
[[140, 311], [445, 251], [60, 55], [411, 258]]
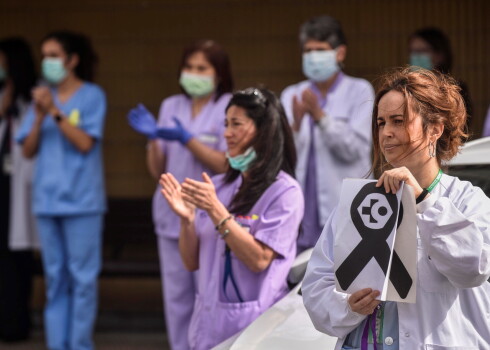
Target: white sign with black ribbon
[[376, 241]]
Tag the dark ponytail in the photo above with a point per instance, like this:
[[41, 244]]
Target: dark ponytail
[[273, 144]]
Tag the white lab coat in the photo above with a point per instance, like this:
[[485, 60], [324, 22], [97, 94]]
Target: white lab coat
[[452, 310], [342, 140], [22, 230]]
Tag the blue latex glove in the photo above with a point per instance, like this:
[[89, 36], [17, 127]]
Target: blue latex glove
[[175, 134], [142, 121]]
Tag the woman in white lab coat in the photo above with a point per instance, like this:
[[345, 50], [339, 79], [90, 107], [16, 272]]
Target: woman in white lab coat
[[418, 123]]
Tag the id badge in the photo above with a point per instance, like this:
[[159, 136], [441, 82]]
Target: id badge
[[7, 164], [208, 138]]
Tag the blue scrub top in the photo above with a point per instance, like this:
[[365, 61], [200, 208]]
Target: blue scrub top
[[67, 181]]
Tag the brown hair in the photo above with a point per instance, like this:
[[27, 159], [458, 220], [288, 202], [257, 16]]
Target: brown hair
[[217, 57], [432, 95]]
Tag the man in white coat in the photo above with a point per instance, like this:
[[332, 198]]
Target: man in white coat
[[330, 114]]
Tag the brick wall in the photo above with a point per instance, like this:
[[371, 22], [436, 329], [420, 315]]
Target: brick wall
[[139, 43]]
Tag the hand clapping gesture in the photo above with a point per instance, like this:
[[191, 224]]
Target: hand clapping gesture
[[202, 195], [43, 99], [299, 111], [172, 191], [311, 105]]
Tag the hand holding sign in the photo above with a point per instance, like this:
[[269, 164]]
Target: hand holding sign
[[364, 301], [364, 243]]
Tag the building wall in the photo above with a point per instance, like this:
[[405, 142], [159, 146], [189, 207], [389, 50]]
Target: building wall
[[139, 44]]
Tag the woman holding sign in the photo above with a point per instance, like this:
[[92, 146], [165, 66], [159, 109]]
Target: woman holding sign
[[418, 123], [242, 237]]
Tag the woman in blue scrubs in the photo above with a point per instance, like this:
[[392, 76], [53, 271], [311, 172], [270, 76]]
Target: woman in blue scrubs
[[64, 128]]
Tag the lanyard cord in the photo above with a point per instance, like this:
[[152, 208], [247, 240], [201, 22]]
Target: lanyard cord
[[370, 323], [425, 191], [435, 182], [228, 274]]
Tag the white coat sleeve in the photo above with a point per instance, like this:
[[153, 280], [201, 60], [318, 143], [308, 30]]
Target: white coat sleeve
[[328, 309], [349, 138], [301, 138], [456, 235]]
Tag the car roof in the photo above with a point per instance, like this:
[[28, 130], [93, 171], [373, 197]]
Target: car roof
[[473, 153]]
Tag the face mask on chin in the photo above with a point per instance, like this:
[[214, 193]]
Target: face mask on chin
[[196, 85], [242, 161], [320, 65]]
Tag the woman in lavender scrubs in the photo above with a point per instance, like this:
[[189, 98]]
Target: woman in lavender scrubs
[[187, 141], [240, 228]]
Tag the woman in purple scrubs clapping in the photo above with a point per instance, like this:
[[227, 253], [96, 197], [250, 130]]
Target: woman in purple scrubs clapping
[[186, 140], [240, 228]]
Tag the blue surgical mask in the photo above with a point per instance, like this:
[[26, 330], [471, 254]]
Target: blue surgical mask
[[54, 70], [320, 65], [242, 161], [3, 74], [421, 60]]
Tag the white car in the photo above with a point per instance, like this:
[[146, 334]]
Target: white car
[[287, 326]]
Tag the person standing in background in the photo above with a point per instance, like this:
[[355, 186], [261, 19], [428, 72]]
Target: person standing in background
[[187, 140], [64, 127], [18, 235], [240, 228], [430, 48], [330, 117]]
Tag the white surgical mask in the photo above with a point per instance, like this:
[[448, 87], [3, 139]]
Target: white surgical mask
[[320, 65], [197, 85]]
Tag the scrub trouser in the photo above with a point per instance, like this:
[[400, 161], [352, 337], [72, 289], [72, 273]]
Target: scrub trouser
[[178, 293], [71, 252]]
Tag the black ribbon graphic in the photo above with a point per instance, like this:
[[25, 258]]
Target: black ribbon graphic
[[373, 243]]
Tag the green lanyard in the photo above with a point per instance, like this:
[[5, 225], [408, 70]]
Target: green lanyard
[[379, 325], [435, 182]]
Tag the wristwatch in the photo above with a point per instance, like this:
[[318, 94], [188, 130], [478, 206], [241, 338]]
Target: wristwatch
[[57, 118]]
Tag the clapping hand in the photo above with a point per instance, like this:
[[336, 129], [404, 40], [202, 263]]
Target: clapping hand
[[299, 111], [178, 133], [142, 121], [311, 105], [172, 191], [202, 194], [43, 99]]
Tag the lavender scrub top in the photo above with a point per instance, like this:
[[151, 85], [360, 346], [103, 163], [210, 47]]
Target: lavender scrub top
[[274, 220], [208, 128]]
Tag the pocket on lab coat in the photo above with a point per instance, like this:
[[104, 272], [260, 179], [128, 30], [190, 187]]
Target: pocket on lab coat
[[431, 280]]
